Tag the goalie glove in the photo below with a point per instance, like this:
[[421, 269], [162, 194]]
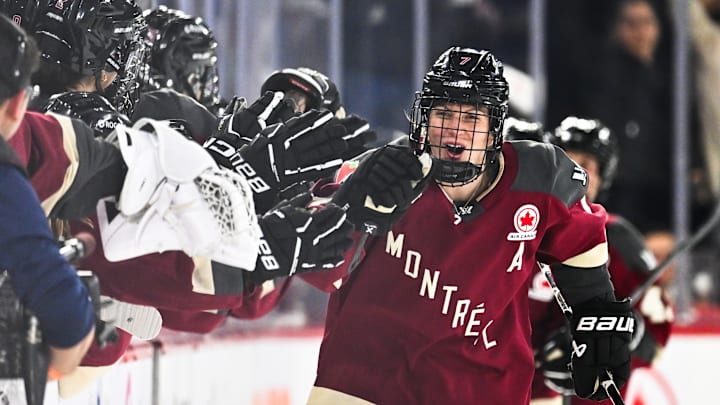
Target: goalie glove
[[296, 240], [601, 331], [307, 147], [383, 186]]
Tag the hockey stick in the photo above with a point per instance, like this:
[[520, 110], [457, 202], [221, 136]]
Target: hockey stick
[[608, 384], [369, 229], [679, 249]]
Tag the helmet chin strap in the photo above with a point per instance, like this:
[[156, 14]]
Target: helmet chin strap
[[456, 174]]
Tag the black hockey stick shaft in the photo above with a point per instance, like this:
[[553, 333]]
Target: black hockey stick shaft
[[369, 229], [681, 248], [608, 384]]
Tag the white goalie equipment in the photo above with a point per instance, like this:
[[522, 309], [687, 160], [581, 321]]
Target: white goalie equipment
[[176, 198]]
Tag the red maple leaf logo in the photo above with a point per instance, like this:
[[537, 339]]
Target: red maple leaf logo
[[527, 220]]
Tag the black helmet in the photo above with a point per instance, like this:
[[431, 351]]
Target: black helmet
[[91, 108], [183, 55], [157, 17], [87, 36], [516, 129], [464, 76], [82, 34], [320, 91], [590, 136]]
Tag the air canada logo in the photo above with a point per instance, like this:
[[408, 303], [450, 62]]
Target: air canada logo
[[525, 221]]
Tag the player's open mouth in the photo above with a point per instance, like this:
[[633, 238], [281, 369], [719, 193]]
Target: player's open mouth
[[454, 151]]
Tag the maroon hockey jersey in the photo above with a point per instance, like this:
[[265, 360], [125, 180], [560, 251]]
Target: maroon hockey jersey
[[69, 169], [437, 311]]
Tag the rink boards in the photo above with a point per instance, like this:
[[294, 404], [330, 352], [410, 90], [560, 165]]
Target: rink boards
[[278, 369]]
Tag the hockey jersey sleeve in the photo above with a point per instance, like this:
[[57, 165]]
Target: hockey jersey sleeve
[[69, 169], [575, 234]]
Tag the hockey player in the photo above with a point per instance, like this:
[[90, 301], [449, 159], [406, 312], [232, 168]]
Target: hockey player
[[182, 55], [39, 275], [94, 74], [437, 310], [593, 146], [89, 47], [186, 276]]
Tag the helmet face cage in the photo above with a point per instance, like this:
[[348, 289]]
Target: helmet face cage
[[131, 54], [590, 136], [463, 88], [191, 65]]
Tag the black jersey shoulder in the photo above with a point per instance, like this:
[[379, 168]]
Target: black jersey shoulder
[[100, 172], [623, 237], [546, 168], [168, 104]]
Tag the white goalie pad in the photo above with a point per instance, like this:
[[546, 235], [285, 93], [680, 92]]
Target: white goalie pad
[[176, 198]]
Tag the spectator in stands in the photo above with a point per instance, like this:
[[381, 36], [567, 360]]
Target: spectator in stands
[[630, 94]]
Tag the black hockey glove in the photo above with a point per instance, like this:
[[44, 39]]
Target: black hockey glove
[[553, 360], [292, 191], [297, 240], [358, 136], [307, 147], [241, 124], [382, 187], [602, 331]]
